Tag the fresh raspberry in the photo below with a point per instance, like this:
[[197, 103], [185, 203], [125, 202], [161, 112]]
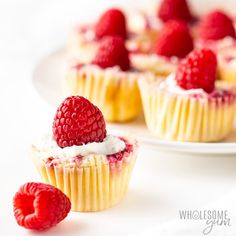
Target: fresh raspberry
[[111, 23], [78, 122], [216, 25], [174, 10], [174, 40], [40, 206], [112, 52], [198, 70]]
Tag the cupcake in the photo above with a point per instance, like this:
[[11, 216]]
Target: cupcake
[[108, 81], [174, 43], [84, 40], [189, 106], [91, 167], [172, 39], [215, 31]]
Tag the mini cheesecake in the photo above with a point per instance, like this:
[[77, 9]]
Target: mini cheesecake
[[185, 107], [173, 44], [215, 31], [91, 167]]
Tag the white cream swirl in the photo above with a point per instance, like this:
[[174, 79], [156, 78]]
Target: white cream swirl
[[47, 147], [170, 85]]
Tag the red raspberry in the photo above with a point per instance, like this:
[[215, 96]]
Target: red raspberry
[[216, 25], [174, 10], [78, 122], [112, 52], [40, 206], [174, 40], [198, 70], [111, 23]]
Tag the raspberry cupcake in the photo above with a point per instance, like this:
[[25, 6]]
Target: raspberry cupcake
[[108, 81], [91, 167], [215, 31], [84, 40], [174, 43], [189, 106]]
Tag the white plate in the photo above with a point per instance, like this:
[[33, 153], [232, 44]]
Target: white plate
[[48, 77]]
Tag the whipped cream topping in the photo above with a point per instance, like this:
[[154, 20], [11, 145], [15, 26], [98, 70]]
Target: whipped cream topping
[[170, 85], [48, 147], [225, 42], [111, 72], [219, 44]]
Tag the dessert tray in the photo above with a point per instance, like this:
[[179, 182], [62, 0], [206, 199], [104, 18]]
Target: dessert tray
[[48, 81]]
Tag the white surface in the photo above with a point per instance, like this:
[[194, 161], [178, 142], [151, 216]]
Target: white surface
[[200, 227], [48, 78], [162, 182]]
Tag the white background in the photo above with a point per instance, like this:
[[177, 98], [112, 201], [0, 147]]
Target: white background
[[162, 182]]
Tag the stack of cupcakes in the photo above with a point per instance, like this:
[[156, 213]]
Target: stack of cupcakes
[[171, 73], [84, 40]]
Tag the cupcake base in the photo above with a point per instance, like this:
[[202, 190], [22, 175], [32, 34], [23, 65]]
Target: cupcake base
[[188, 118], [94, 187], [228, 74]]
